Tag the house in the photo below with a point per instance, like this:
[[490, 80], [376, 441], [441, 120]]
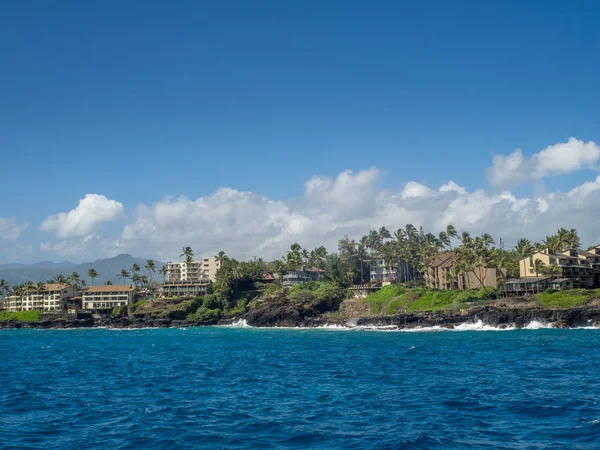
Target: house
[[107, 297], [269, 277], [53, 298], [581, 267], [398, 271], [440, 274], [184, 289], [203, 269], [302, 275], [531, 285]]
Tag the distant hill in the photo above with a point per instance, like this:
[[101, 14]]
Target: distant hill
[[107, 269]]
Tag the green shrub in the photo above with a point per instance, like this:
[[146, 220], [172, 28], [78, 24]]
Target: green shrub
[[204, 314], [379, 299], [119, 311]]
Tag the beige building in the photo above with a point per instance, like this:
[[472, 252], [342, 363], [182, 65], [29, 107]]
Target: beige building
[[582, 267], [53, 298], [107, 297], [439, 274], [203, 269]]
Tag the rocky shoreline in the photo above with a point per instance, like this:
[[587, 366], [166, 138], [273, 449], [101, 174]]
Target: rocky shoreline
[[493, 316]]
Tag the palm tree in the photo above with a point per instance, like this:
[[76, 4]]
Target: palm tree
[[451, 232], [384, 234], [150, 267], [188, 257], [124, 274], [523, 250], [164, 271], [221, 257], [19, 292], [3, 287], [538, 267], [553, 270], [61, 281], [30, 290], [74, 279], [135, 268], [92, 274], [108, 283]]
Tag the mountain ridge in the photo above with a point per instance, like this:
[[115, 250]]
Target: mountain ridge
[[108, 269]]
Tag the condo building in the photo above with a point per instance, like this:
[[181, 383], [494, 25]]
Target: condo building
[[53, 298], [205, 269], [107, 297]]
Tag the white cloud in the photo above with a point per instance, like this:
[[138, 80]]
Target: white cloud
[[412, 189], [91, 211], [562, 158], [245, 224], [11, 228]]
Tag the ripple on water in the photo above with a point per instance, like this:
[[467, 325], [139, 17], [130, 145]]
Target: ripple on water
[[237, 387]]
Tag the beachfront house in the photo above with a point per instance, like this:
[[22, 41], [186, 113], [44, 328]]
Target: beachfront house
[[107, 297], [579, 266], [184, 289], [302, 275]]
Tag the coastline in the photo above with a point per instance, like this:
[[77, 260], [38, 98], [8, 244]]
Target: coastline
[[490, 317]]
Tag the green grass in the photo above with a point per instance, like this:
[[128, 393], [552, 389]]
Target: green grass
[[381, 299], [392, 299], [566, 299], [21, 316]]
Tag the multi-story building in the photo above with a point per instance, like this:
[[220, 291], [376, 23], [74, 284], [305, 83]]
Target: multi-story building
[[107, 297], [184, 289], [203, 269], [302, 275], [53, 298], [440, 274], [581, 267], [399, 271]]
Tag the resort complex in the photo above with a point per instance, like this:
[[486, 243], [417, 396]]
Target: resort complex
[[411, 258]]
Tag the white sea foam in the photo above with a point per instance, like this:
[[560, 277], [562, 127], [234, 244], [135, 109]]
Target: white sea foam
[[537, 325], [240, 323]]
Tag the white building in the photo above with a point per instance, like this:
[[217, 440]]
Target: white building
[[203, 269], [52, 299], [400, 271], [107, 297]]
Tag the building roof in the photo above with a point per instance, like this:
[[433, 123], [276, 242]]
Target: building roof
[[56, 286], [308, 269], [166, 285], [109, 288], [586, 253], [527, 280], [560, 280], [440, 259]]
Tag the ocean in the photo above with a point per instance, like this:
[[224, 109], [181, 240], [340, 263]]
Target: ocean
[[244, 388]]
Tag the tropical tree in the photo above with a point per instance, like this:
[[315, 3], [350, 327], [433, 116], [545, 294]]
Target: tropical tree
[[74, 279], [523, 250], [150, 267], [451, 233], [553, 270], [4, 287], [93, 275], [221, 257], [135, 268], [124, 275], [61, 281], [108, 283], [163, 271], [538, 267], [19, 291]]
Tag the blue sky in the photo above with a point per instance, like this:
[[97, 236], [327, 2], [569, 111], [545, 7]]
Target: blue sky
[[142, 100]]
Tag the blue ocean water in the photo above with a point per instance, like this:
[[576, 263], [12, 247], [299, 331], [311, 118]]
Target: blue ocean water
[[276, 388]]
